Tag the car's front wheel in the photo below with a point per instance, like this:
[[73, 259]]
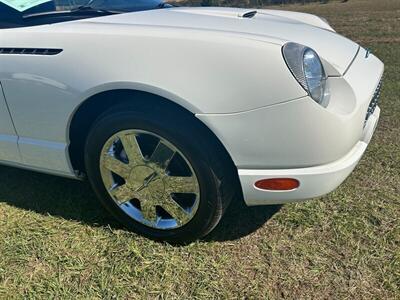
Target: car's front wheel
[[155, 175]]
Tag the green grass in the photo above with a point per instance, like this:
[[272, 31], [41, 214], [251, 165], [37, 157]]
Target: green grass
[[56, 242]]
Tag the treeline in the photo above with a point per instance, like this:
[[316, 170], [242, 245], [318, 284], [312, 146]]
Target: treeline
[[267, 2], [245, 3]]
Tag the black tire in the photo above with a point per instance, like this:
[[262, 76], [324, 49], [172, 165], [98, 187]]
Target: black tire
[[213, 169]]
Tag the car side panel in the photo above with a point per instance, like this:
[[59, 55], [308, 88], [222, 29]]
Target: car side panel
[[203, 72], [8, 137]]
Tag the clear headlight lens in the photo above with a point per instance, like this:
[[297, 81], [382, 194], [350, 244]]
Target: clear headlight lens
[[306, 66], [315, 75]]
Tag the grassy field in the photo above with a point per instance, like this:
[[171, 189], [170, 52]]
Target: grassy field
[[56, 242]]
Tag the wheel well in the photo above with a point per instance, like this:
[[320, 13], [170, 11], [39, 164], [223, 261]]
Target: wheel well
[[94, 107], [98, 104]]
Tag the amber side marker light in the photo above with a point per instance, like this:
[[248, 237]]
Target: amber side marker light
[[277, 184]]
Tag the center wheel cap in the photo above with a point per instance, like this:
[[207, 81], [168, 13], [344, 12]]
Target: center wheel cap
[[146, 182]]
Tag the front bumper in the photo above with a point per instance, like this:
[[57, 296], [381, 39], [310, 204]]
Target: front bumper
[[314, 181], [319, 146]]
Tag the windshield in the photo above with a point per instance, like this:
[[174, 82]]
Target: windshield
[[21, 12], [112, 5]]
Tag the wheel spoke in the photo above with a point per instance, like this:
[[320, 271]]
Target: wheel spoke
[[116, 166], [177, 184], [176, 211], [148, 210], [122, 194], [162, 155], [132, 149]]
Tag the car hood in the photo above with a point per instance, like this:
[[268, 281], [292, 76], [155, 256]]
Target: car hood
[[278, 26]]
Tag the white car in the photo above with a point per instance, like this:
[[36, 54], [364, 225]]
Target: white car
[[172, 112]]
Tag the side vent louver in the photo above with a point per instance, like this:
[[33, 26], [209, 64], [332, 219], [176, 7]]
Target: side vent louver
[[249, 15], [30, 51]]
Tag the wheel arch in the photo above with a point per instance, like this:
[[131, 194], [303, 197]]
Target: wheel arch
[[97, 104]]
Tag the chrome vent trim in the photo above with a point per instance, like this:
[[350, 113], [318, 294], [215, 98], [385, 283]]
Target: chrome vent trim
[[374, 101], [30, 51]]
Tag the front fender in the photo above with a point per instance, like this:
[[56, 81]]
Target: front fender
[[206, 72]]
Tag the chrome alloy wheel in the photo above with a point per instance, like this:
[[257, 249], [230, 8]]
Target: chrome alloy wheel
[[149, 179]]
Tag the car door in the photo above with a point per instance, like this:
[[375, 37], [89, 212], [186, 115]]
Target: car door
[[34, 106], [8, 137], [38, 104]]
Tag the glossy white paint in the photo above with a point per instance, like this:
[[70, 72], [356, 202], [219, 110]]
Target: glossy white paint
[[225, 69], [8, 137], [314, 181], [301, 133]]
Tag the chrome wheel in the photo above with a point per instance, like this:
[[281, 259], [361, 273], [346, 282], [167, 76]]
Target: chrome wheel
[[149, 179]]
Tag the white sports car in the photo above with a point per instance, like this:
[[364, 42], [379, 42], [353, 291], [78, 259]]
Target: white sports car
[[172, 112]]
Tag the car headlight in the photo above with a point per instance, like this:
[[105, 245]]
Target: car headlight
[[306, 67]]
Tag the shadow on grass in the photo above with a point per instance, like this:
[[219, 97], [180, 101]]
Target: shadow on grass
[[240, 220], [75, 200]]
